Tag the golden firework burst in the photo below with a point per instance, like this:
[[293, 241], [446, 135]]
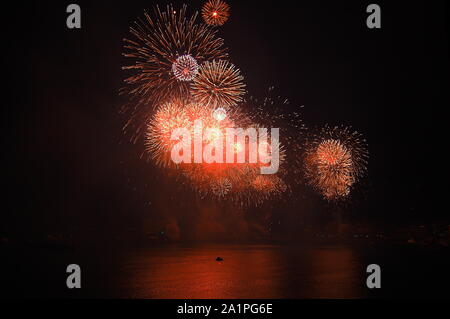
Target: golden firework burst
[[218, 84], [335, 159]]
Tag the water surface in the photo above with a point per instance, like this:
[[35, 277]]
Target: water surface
[[247, 271]]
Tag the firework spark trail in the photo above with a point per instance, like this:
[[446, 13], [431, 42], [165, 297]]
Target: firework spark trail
[[276, 111], [215, 12]]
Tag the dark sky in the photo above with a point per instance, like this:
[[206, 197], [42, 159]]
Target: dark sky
[[68, 167]]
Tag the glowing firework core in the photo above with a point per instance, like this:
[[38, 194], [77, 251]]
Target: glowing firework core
[[220, 114], [215, 12]]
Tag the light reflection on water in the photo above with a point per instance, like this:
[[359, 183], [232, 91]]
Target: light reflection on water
[[246, 272]]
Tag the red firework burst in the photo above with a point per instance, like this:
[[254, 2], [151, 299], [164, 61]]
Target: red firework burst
[[215, 12]]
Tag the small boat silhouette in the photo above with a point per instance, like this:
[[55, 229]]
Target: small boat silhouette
[[219, 259]]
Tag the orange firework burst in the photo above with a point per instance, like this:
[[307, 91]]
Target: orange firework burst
[[237, 182], [334, 165], [218, 83], [168, 117], [215, 12], [335, 160], [184, 114]]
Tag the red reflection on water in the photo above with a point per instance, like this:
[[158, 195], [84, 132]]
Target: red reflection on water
[[194, 273], [245, 272]]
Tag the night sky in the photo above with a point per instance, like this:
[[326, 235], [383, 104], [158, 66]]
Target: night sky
[[69, 169]]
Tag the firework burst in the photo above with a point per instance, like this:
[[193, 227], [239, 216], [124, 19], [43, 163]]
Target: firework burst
[[166, 49], [215, 12], [269, 185], [168, 117], [335, 159], [221, 187], [219, 84], [185, 68]]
